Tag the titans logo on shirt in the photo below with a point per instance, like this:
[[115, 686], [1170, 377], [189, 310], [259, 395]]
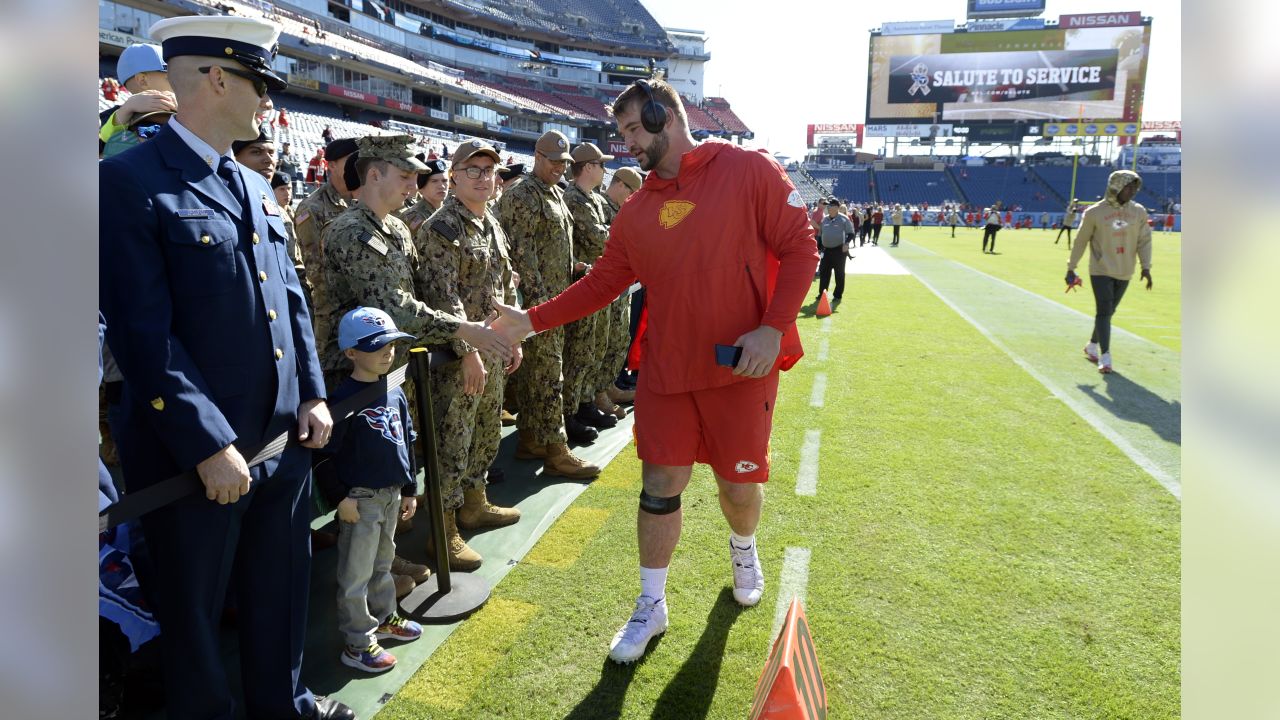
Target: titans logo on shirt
[[385, 420]]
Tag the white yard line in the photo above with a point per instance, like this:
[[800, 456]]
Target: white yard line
[[818, 396], [807, 475], [792, 582], [824, 349], [1089, 414]]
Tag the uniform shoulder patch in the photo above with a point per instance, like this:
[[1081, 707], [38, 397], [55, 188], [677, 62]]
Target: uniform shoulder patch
[[417, 223], [794, 199], [302, 217], [373, 241], [445, 230]]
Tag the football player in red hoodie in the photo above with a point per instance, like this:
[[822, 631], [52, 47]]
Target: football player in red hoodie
[[722, 242]]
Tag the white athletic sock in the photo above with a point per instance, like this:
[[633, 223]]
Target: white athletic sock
[[653, 582], [742, 542]]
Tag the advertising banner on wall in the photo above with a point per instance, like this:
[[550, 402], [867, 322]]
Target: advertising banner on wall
[[1087, 129], [1099, 20], [920, 131]]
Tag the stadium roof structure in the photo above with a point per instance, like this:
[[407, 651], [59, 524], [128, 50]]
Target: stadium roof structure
[[588, 23]]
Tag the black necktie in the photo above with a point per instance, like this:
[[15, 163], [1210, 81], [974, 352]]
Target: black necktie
[[231, 177]]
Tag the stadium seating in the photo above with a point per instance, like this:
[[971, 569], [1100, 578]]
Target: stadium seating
[[809, 192], [1013, 186], [1160, 189], [718, 108], [1091, 181], [915, 186], [852, 185], [700, 120]]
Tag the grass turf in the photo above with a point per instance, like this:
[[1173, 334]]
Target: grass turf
[[1030, 260], [977, 552]]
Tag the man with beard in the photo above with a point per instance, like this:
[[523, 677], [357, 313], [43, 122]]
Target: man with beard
[[733, 216]]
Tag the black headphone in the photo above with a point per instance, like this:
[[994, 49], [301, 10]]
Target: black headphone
[[653, 115]]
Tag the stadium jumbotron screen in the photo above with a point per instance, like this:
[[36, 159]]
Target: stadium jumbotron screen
[[1019, 75]]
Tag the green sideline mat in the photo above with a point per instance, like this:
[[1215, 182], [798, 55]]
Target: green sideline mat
[[1138, 408], [540, 504]]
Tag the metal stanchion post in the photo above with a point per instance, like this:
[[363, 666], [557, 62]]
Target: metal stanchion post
[[443, 597]]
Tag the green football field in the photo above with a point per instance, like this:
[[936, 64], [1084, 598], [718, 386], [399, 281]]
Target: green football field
[[994, 529]]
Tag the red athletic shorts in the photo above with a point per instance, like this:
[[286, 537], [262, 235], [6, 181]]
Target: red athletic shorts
[[725, 427]]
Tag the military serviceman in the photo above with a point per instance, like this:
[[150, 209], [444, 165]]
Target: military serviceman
[[585, 340], [209, 326], [314, 213], [464, 268], [625, 181], [369, 259], [433, 184], [539, 227]]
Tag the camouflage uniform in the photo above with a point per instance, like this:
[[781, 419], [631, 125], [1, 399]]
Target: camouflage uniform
[[585, 340], [373, 263], [414, 215], [540, 231], [313, 215], [619, 332], [464, 268], [295, 252]]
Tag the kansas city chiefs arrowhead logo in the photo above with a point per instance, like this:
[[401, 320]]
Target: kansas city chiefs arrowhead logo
[[746, 466], [673, 212]]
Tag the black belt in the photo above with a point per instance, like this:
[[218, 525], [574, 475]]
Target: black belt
[[154, 497]]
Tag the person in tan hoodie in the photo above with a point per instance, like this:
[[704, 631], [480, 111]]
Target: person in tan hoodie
[[1117, 234]]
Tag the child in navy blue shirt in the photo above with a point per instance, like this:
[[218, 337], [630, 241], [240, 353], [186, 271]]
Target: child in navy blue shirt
[[371, 453]]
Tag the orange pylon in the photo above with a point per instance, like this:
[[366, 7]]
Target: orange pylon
[[824, 305], [790, 688]]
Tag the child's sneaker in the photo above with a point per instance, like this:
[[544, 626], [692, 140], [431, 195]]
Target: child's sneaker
[[398, 628], [372, 659], [1091, 352]]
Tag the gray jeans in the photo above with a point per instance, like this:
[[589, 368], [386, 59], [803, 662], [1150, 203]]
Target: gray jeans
[[366, 592]]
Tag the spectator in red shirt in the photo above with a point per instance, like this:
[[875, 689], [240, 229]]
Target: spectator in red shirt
[[1168, 222], [877, 222], [282, 119], [318, 168]]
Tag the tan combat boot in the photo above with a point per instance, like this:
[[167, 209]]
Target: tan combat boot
[[404, 585], [461, 557], [527, 449], [620, 396], [477, 512], [607, 406], [563, 463]]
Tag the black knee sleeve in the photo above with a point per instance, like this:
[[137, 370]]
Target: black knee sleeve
[[658, 505]]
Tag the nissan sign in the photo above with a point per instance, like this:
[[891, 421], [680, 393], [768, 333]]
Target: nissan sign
[[1098, 20]]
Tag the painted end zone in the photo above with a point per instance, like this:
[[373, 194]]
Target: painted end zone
[[791, 688]]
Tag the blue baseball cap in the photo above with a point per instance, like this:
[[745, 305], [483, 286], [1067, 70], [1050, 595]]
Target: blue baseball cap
[[367, 329], [139, 59]]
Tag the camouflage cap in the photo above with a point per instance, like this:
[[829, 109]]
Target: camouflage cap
[[588, 152], [1119, 180], [471, 148], [395, 149], [628, 176], [554, 145]]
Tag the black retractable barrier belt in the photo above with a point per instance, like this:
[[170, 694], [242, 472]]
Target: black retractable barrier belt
[[154, 497]]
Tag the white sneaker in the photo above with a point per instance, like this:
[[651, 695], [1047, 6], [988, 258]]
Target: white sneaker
[[1104, 363], [748, 580], [647, 622], [1091, 352]]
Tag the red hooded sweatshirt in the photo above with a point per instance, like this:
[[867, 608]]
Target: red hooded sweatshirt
[[722, 248]]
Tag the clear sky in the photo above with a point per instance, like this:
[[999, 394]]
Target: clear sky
[[783, 65]]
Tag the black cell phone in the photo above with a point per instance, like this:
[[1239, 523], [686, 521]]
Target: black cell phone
[[728, 355]]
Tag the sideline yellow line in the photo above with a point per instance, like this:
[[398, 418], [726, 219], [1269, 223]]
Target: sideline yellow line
[[477, 646], [561, 546]]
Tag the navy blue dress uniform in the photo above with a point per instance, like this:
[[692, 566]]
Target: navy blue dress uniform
[[208, 322]]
